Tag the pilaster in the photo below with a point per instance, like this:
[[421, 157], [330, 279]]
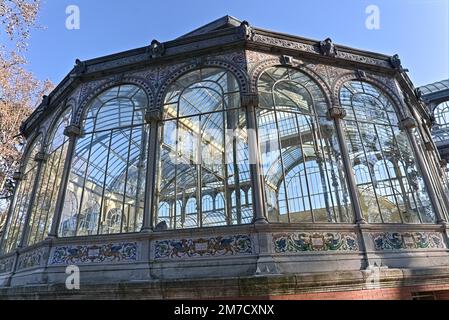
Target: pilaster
[[249, 102]]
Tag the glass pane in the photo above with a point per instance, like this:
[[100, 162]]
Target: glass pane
[[440, 129], [203, 154], [105, 193], [300, 156], [15, 226], [390, 186], [49, 182]]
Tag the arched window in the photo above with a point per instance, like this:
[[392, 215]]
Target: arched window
[[300, 155], [208, 203], [189, 220], [164, 212], [203, 146], [49, 182], [440, 130], [219, 201], [108, 166], [362, 175], [393, 191], [114, 220], [19, 207]]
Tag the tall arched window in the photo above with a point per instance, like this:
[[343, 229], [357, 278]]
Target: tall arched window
[[203, 148], [21, 203], [49, 182], [108, 166], [393, 191], [300, 155]]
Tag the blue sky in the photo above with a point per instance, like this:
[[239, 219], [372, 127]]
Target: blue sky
[[415, 29]]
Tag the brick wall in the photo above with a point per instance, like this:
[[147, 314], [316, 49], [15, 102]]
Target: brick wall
[[439, 292]]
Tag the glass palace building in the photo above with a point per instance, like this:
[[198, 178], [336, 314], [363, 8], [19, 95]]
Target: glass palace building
[[232, 162]]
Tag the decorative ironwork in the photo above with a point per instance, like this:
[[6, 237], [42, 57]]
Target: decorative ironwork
[[156, 49], [72, 131], [407, 123], [203, 150], [80, 68], [300, 155], [41, 157], [107, 170], [337, 113], [287, 60], [390, 186], [250, 100], [328, 48], [395, 62]]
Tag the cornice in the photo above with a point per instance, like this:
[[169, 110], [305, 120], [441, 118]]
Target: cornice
[[243, 36]]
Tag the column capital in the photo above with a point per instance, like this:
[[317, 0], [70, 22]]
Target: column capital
[[336, 113], [429, 146], [153, 115], [41, 157], [407, 123], [249, 100], [18, 176], [72, 131]]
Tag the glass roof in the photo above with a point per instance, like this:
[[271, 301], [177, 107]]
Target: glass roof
[[435, 87]]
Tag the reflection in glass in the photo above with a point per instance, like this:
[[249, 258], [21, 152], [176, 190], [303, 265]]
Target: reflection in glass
[[105, 193], [203, 153], [15, 226], [300, 155], [390, 186]]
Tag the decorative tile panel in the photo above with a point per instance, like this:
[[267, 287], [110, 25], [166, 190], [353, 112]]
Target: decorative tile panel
[[6, 265], [316, 241], [100, 253], [408, 240], [30, 259], [203, 247]]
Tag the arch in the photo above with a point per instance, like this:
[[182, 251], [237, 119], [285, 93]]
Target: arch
[[303, 139], [69, 104], [207, 202], [201, 114], [39, 134], [108, 162], [216, 63], [219, 201], [115, 218], [352, 76], [261, 67], [389, 192], [137, 81]]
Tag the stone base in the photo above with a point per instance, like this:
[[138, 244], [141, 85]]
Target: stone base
[[388, 284]]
